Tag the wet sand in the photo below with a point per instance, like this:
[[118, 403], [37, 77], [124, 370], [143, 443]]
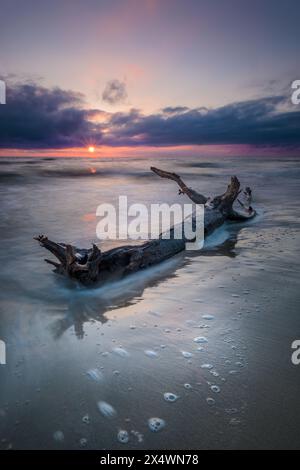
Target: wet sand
[[214, 328]]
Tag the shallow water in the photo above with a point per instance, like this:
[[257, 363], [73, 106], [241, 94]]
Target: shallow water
[[128, 345]]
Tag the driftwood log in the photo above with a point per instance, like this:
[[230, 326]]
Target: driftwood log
[[90, 266]]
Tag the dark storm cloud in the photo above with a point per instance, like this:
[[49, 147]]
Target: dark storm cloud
[[256, 122], [37, 117], [114, 92], [175, 109]]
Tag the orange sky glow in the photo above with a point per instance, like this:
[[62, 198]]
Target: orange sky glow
[[119, 152]]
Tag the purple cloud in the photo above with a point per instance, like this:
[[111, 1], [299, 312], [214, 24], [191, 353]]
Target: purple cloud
[[38, 117]]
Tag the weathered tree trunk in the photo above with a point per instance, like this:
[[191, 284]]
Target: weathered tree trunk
[[90, 266]]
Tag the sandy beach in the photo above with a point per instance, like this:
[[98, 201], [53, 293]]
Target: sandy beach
[[202, 341]]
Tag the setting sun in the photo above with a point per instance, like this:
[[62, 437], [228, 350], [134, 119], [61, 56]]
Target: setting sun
[[91, 149]]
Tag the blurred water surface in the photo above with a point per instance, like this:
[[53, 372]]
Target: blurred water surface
[[213, 328]]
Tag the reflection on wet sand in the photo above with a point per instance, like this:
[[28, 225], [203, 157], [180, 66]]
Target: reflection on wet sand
[[91, 305]]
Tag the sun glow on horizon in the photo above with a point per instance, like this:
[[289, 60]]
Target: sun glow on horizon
[[91, 149]]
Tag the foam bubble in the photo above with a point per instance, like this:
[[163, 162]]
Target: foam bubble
[[214, 373], [123, 436], [121, 352], [171, 397], [156, 424], [210, 401], [200, 339], [95, 375], [138, 435], [150, 353], [186, 354], [106, 409]]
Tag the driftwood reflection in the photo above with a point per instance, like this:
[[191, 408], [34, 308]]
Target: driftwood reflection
[[93, 304]]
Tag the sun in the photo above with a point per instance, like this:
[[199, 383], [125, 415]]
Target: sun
[[91, 149]]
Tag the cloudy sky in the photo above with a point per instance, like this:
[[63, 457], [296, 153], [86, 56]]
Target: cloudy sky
[[144, 76]]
